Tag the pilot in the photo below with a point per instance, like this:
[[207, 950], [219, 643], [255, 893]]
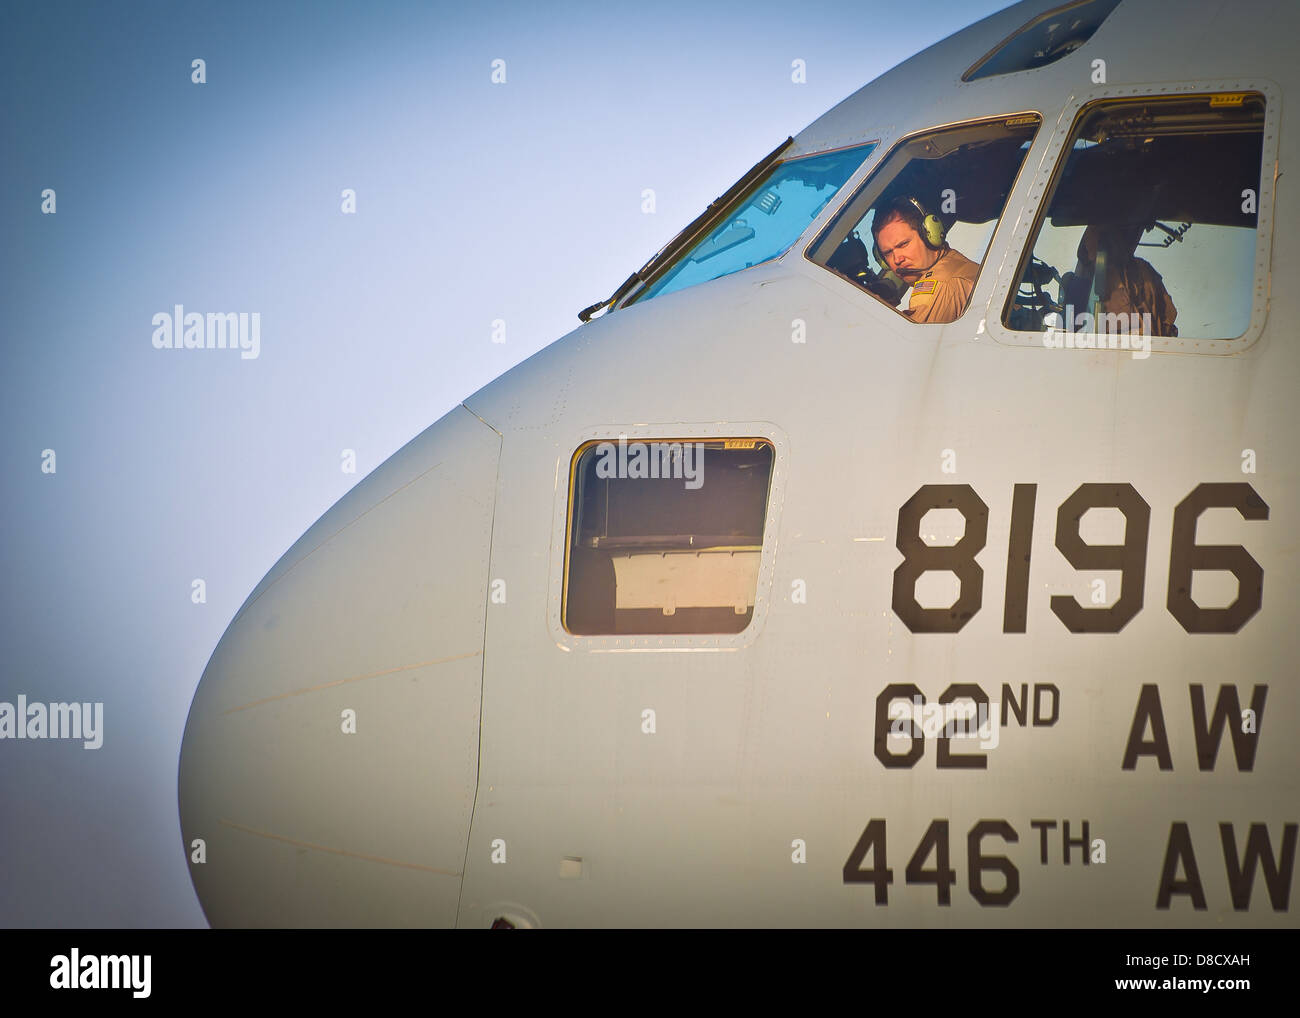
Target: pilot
[[1131, 286], [910, 242]]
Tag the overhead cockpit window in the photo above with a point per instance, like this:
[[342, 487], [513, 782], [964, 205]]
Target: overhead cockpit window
[[1151, 223], [1045, 39], [665, 536], [927, 216], [763, 221]]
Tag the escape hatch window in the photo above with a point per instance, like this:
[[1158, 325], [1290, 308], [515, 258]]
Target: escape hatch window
[[665, 536], [1044, 39], [927, 216], [1151, 224]]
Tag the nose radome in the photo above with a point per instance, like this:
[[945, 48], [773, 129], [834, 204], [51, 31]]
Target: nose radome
[[329, 762]]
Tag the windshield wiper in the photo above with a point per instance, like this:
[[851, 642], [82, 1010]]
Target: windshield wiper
[[688, 236]]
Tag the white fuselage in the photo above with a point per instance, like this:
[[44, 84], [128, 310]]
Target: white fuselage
[[501, 766]]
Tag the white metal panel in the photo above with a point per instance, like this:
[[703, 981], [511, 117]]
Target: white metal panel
[[309, 825]]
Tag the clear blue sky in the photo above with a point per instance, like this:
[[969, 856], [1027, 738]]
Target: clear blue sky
[[475, 202]]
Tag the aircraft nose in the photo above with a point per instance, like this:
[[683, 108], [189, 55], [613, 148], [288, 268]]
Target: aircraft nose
[[329, 762]]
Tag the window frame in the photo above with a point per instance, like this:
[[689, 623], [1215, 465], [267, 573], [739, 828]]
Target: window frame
[[878, 161], [1053, 164], [565, 477]]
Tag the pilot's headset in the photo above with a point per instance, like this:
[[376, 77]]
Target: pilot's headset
[[933, 232]]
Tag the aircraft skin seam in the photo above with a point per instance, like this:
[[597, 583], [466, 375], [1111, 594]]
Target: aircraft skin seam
[[336, 533], [478, 754], [351, 678], [498, 433], [335, 851]]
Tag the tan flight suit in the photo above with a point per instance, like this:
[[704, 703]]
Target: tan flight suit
[[940, 295], [1136, 288]]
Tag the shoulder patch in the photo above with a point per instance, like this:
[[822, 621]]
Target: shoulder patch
[[925, 286]]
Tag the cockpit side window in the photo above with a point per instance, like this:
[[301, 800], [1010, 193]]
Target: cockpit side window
[[1150, 226], [927, 217], [665, 536]]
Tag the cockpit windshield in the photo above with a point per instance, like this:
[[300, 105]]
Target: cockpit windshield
[[763, 222]]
